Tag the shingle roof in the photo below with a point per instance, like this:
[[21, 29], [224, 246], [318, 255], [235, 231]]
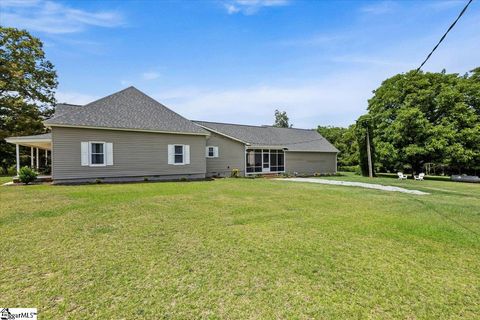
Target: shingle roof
[[291, 138], [62, 108], [126, 109], [44, 136]]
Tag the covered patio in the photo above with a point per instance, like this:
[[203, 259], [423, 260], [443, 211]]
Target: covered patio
[[40, 147]]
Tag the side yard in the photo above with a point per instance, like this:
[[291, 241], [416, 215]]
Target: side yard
[[242, 248]]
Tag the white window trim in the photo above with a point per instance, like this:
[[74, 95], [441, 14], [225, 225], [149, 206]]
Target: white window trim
[[104, 164], [183, 155], [215, 152], [208, 152]]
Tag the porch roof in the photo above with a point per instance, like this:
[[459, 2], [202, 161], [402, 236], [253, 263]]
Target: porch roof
[[42, 141]]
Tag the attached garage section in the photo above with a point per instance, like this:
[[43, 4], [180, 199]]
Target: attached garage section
[[310, 162]]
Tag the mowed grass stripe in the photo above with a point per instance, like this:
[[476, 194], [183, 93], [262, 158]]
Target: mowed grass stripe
[[240, 248]]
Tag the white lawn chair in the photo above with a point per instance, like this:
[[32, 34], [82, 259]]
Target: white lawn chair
[[402, 176], [420, 176]]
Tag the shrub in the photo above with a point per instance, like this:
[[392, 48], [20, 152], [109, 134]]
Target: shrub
[[27, 175], [145, 179], [235, 173], [12, 170], [349, 168], [98, 181], [183, 179]]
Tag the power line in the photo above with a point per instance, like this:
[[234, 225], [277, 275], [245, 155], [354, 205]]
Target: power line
[[444, 35]]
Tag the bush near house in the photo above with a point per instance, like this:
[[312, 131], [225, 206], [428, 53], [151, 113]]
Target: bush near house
[[27, 175]]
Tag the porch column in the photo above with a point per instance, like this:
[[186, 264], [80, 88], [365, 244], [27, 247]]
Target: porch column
[[46, 157], [17, 149], [37, 158], [31, 157]]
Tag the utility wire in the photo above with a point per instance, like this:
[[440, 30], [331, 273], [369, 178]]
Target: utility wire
[[444, 35]]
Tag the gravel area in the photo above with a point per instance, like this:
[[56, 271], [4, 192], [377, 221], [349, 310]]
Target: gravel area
[[355, 184]]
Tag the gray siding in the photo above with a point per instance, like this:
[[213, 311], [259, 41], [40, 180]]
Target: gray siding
[[310, 162], [231, 155], [135, 154]]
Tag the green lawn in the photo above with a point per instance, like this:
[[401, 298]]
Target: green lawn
[[241, 248]]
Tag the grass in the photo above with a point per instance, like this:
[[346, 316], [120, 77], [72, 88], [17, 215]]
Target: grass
[[242, 248]]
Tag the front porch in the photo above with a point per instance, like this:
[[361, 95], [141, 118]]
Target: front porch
[[35, 151]]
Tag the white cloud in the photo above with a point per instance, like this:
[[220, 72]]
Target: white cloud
[[54, 18], [249, 7], [446, 4], [74, 97], [150, 75], [18, 3], [335, 100], [315, 40], [379, 8]]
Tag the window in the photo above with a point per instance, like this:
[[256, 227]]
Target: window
[[211, 152], [178, 154], [97, 153]]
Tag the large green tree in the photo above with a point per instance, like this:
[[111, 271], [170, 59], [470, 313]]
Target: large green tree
[[344, 140], [27, 87], [427, 117]]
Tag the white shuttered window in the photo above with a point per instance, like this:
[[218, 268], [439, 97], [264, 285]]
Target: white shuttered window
[[178, 154], [96, 153], [211, 152]]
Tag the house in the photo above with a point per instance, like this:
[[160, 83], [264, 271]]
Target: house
[[128, 136]]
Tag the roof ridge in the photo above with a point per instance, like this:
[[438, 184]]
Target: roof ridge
[[69, 104], [161, 104], [129, 88], [251, 125]]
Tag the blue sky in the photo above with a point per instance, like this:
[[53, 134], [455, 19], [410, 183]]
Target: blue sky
[[239, 60]]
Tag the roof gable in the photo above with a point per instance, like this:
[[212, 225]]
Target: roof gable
[[129, 109]]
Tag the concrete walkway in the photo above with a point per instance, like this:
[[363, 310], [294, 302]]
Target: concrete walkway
[[355, 184]]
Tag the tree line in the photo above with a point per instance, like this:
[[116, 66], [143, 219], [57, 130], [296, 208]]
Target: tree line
[[416, 120]]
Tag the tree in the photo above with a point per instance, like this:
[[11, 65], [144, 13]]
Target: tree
[[27, 87], [281, 120], [344, 140], [427, 117]]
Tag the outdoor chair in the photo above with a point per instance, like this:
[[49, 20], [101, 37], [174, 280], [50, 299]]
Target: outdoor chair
[[420, 176], [402, 176]]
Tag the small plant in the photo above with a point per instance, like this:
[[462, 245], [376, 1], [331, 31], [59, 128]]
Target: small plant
[[183, 179], [98, 181], [27, 175], [145, 179], [12, 170], [235, 173]]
